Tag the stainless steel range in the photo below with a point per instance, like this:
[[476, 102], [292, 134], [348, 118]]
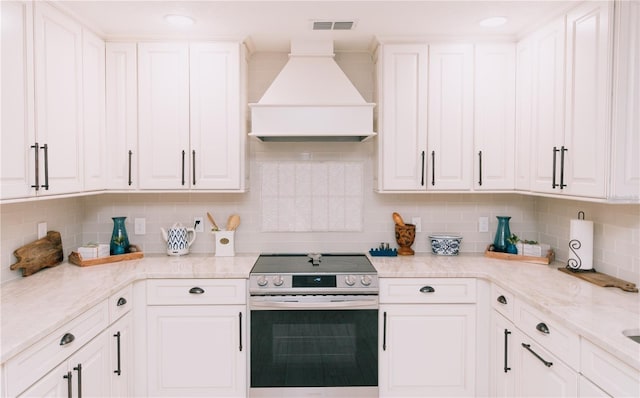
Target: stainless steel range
[[314, 326]]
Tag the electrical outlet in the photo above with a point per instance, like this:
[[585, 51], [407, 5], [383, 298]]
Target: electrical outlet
[[417, 221], [483, 224], [198, 224], [42, 230], [140, 226]]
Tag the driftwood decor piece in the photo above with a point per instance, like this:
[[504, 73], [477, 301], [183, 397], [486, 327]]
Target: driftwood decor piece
[[43, 253]]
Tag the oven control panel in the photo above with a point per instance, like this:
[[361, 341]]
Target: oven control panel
[[312, 283]]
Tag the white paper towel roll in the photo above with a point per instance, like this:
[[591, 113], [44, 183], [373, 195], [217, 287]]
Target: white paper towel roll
[[580, 245]]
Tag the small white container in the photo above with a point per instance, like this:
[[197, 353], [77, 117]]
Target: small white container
[[225, 241], [445, 245]]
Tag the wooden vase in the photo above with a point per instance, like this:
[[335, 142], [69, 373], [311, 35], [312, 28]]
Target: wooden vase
[[405, 235]]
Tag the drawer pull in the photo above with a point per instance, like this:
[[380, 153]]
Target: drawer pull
[[542, 327], [67, 338], [119, 370], [546, 363], [196, 290], [427, 289], [79, 370], [121, 301], [506, 350], [69, 376], [502, 299]]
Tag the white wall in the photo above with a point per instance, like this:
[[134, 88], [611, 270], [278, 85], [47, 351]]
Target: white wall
[[88, 218]]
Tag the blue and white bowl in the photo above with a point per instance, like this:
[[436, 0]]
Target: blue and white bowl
[[445, 245]]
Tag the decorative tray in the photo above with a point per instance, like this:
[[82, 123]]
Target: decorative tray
[[76, 258], [548, 259], [383, 252]]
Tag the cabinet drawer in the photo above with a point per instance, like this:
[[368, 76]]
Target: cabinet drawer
[[607, 372], [196, 291], [36, 361], [502, 301], [561, 342], [120, 303], [428, 290]]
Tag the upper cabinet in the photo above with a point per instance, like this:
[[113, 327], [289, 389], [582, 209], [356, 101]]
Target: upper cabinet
[[191, 116]]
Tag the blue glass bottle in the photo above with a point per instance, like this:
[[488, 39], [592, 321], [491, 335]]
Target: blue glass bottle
[[500, 242], [119, 240]]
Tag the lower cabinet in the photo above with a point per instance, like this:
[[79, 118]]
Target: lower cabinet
[[121, 356], [196, 348], [85, 373], [427, 347]]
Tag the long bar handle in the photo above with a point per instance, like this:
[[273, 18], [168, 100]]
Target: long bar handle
[[480, 168], [130, 156], [193, 161], [119, 370], [506, 348], [240, 330], [79, 369], [46, 166], [183, 156], [384, 331], [433, 168], [553, 178], [37, 168], [69, 376], [422, 178], [546, 363], [562, 151]]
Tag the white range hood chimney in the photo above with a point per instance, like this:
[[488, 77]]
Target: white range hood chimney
[[312, 100]]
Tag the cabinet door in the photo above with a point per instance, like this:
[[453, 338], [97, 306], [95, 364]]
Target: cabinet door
[[122, 115], [217, 140], [625, 155], [524, 115], [17, 135], [93, 78], [548, 105], [494, 132], [163, 112], [588, 85], [55, 384], [586, 389], [450, 110], [91, 368], [196, 351], [502, 357], [402, 119], [58, 84], [539, 373], [427, 350], [121, 356]]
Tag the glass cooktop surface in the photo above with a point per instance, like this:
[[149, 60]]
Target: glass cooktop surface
[[294, 263]]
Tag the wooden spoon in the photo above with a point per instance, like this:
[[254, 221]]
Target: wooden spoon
[[213, 222], [397, 219], [233, 222]]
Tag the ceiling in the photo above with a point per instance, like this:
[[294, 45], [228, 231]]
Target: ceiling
[[270, 25]]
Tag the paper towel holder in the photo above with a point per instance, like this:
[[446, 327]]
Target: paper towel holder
[[575, 264], [580, 215]]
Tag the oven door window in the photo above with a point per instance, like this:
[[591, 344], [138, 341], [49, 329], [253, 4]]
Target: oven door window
[[314, 348]]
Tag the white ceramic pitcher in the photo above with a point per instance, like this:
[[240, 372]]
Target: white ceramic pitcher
[[178, 240]]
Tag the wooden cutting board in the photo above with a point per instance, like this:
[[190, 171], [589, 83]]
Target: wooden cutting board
[[42, 253], [603, 280]]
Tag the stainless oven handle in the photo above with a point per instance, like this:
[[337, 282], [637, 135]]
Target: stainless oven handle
[[297, 305]]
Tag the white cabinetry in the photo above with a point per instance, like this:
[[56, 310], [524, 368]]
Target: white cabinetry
[[427, 344], [196, 338], [120, 335], [494, 116], [450, 117], [402, 82], [122, 115], [93, 83], [625, 153], [524, 114], [58, 97], [191, 118], [18, 133], [607, 372]]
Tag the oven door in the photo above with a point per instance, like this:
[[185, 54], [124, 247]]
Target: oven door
[[314, 342]]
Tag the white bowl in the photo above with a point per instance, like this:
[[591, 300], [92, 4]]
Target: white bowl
[[445, 245]]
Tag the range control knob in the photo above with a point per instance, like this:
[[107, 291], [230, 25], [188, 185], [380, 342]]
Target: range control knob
[[278, 280], [262, 281], [350, 280], [365, 280]]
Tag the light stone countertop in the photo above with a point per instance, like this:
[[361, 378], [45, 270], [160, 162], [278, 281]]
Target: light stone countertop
[[35, 306]]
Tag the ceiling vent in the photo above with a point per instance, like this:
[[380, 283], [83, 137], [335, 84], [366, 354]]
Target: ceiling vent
[[333, 25]]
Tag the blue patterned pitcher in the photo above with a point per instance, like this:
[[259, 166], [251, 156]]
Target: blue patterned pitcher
[[178, 240]]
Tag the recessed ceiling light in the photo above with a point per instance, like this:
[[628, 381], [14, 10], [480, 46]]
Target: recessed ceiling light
[[179, 20], [493, 22]]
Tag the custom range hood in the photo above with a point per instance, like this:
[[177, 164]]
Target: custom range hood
[[312, 100]]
